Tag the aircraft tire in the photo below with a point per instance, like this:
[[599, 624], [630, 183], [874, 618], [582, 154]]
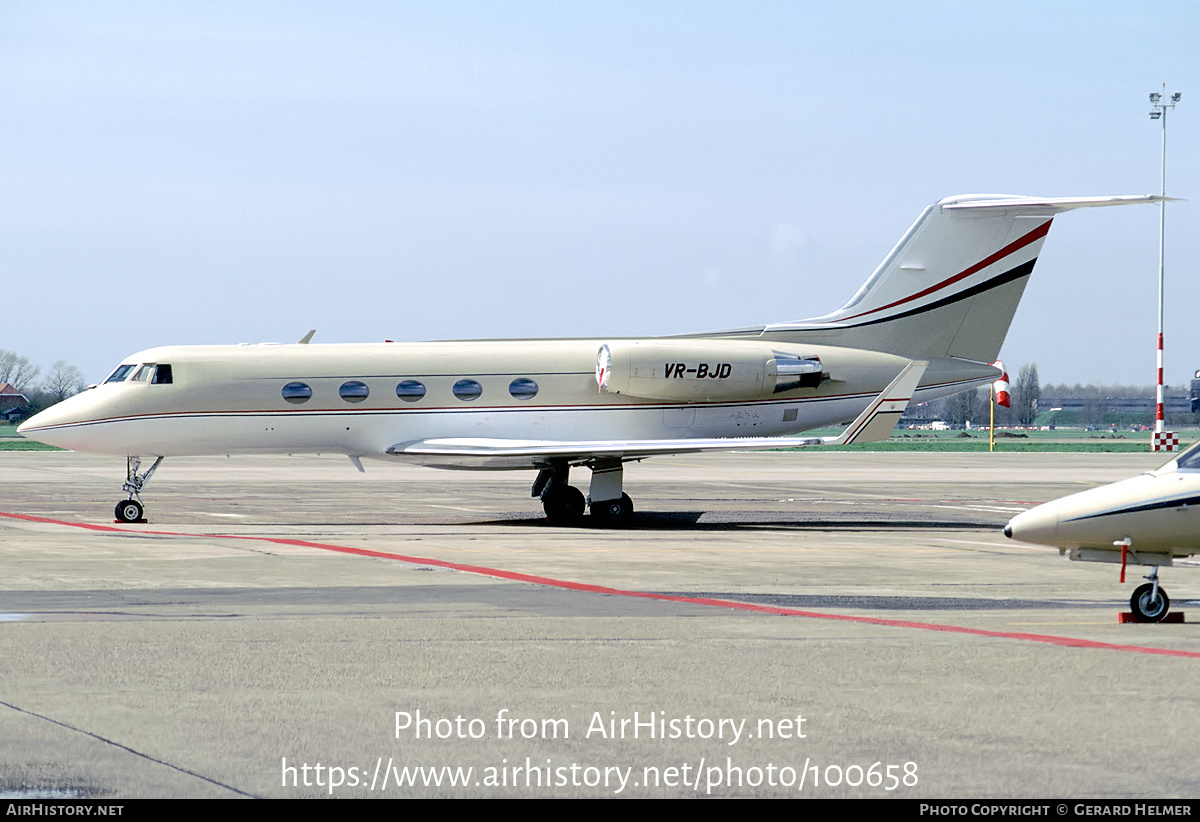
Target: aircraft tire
[[613, 512], [1147, 609], [129, 510], [564, 505]]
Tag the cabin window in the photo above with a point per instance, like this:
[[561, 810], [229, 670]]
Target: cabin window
[[523, 388], [354, 391], [162, 374], [467, 390], [121, 373], [410, 390], [297, 392]]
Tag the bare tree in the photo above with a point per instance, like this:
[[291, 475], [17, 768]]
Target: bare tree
[[1025, 395], [63, 381], [963, 408], [17, 371]]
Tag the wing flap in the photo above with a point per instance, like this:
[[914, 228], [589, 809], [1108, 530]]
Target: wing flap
[[484, 452]]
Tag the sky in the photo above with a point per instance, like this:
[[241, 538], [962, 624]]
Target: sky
[[225, 172]]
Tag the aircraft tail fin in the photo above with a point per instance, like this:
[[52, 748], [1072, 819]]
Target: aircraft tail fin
[[950, 287]]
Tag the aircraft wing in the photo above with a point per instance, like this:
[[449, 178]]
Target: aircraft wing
[[874, 424]]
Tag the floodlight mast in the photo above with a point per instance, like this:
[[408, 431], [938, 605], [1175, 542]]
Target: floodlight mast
[[1158, 111]]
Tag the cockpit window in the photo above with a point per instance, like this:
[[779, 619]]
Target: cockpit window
[[1189, 460], [143, 373], [121, 373], [162, 374]]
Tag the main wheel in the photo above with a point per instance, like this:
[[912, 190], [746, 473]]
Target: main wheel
[[1148, 608], [613, 511], [564, 505], [129, 510]]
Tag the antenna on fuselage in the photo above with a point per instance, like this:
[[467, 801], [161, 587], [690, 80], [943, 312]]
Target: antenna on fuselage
[[307, 337]]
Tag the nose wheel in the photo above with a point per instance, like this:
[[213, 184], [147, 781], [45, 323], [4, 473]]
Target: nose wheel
[[1149, 602], [129, 510]]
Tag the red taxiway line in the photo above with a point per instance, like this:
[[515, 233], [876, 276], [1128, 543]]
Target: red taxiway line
[[497, 573]]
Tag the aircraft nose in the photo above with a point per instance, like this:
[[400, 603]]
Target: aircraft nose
[[1038, 525], [33, 427], [56, 425]]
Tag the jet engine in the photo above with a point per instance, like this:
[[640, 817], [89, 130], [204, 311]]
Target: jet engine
[[697, 370]]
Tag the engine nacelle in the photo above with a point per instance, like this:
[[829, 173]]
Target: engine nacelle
[[698, 370]]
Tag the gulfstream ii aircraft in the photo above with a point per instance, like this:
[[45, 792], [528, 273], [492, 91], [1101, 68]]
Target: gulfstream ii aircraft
[[926, 324]]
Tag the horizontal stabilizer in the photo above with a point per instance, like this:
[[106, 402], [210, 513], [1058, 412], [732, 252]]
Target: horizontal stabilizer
[[1054, 204]]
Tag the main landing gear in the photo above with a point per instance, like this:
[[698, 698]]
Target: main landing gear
[[564, 504], [131, 510]]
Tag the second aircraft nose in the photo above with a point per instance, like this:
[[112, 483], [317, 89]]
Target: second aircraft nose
[[1038, 525]]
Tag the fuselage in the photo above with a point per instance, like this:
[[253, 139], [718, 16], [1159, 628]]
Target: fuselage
[[361, 399], [1156, 515]]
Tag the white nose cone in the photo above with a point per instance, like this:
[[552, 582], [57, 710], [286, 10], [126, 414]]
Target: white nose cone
[[1038, 525], [68, 424], [50, 426]]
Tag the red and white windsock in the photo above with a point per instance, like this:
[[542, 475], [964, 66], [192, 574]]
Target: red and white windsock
[[1000, 386]]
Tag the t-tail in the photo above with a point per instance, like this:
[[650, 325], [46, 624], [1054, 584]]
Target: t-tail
[[950, 287]]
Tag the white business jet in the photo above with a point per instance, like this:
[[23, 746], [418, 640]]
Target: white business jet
[[928, 323], [1150, 520]]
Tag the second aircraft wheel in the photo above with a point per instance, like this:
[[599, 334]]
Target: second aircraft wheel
[[614, 511], [129, 510], [1148, 608]]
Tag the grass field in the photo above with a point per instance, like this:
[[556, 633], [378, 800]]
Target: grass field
[[10, 440]]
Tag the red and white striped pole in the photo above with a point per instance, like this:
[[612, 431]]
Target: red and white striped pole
[[1159, 421], [1162, 440]]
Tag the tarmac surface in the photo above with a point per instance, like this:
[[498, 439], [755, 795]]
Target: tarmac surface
[[776, 624]]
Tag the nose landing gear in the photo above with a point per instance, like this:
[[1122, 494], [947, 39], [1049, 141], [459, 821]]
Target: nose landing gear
[[132, 510], [1149, 602]]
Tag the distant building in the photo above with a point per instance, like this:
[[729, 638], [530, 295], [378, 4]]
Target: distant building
[[10, 397], [12, 401], [1117, 405]]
